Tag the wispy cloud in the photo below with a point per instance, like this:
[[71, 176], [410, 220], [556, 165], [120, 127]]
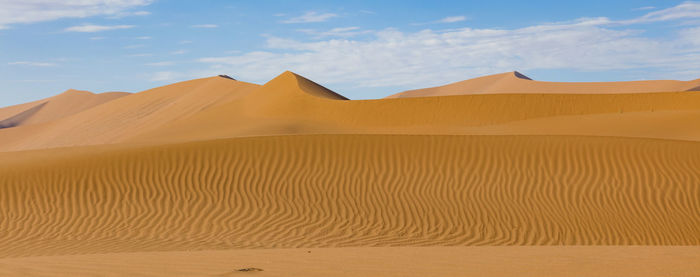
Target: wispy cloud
[[310, 17], [685, 10], [178, 52], [143, 37], [26, 11], [29, 63], [335, 32], [449, 19], [89, 28], [393, 58], [209, 26], [164, 76], [452, 19], [184, 42], [97, 38], [645, 8]]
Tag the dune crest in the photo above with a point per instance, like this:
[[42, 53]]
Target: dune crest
[[56, 107], [127, 116], [218, 108], [516, 82]]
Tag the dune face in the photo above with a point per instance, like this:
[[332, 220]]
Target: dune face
[[65, 104], [213, 177], [126, 116], [289, 104], [516, 82], [218, 108]]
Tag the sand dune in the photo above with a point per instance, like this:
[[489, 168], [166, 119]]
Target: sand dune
[[217, 108], [515, 82], [287, 105], [208, 176], [350, 190], [678, 125], [65, 104], [126, 116], [572, 261]]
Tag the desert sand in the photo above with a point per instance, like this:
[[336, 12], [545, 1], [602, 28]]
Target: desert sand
[[210, 176], [516, 82], [65, 104]]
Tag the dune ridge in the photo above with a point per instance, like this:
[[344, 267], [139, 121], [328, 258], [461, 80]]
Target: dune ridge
[[286, 105], [218, 108], [516, 82], [350, 190], [126, 116], [65, 104]]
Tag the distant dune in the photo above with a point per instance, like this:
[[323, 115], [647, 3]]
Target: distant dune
[[65, 104], [218, 177], [217, 108], [516, 82], [126, 116]]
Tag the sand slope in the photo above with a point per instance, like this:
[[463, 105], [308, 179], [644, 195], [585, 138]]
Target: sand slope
[[65, 104], [216, 108], [572, 261], [350, 190], [204, 177], [515, 82], [127, 116], [289, 104]]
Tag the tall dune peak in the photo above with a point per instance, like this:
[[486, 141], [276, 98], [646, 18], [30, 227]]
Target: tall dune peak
[[521, 76], [304, 86]]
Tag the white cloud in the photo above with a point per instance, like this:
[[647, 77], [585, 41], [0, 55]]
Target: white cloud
[[140, 55], [210, 26], [645, 8], [335, 32], [184, 42], [685, 10], [164, 76], [452, 19], [31, 11], [89, 28], [143, 38], [394, 58], [178, 52], [28, 63], [310, 17], [97, 38]]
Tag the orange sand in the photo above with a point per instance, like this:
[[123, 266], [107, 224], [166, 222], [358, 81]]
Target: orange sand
[[515, 82], [194, 178]]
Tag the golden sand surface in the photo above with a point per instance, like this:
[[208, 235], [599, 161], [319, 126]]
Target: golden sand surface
[[515, 82], [208, 176], [496, 261]]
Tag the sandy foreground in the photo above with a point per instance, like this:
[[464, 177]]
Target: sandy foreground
[[209, 176], [535, 261]]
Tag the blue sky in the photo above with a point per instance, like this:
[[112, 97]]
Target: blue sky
[[362, 49]]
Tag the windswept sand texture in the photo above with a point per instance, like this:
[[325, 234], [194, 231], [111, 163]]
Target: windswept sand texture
[[516, 82], [208, 176]]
